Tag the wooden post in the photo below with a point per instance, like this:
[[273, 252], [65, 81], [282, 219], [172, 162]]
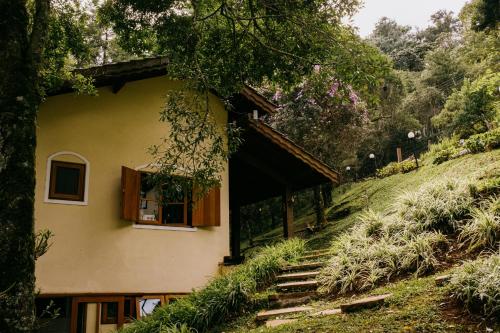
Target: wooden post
[[400, 154], [235, 230], [287, 213]]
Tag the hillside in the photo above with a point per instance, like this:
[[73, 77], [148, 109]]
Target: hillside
[[417, 304]]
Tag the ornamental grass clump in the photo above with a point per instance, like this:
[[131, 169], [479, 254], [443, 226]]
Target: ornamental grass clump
[[225, 296], [476, 284], [482, 231], [377, 249], [439, 205]]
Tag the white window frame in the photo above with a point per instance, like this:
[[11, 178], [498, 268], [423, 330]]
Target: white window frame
[[47, 180]]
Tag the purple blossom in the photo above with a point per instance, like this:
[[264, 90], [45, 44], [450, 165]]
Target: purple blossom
[[353, 97], [333, 89]]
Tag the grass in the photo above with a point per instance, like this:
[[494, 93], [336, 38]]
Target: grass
[[375, 209], [417, 305], [224, 297], [477, 285]]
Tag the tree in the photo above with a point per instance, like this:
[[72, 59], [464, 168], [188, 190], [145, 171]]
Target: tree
[[38, 42], [480, 15], [21, 55], [475, 108], [398, 42]]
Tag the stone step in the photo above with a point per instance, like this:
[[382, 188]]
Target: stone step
[[287, 300], [314, 256], [321, 251], [327, 313], [442, 280], [263, 315], [310, 284], [323, 313], [297, 294], [297, 276], [364, 303], [279, 322], [302, 267]]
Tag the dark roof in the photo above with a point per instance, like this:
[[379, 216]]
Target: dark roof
[[116, 74]]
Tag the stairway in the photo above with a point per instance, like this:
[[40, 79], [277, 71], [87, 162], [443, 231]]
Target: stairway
[[295, 286]]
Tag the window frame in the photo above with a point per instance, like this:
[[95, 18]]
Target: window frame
[[53, 195], [76, 158], [159, 202]]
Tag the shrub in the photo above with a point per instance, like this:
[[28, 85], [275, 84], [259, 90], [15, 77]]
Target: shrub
[[442, 151], [395, 168], [224, 296], [477, 285], [483, 142], [378, 249], [408, 241], [486, 187], [483, 230], [437, 205]]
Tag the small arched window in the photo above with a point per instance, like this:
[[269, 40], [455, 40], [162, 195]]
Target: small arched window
[[67, 179]]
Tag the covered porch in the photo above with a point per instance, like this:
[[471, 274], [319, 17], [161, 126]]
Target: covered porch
[[269, 165]]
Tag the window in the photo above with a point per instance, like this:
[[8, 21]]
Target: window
[[67, 181], [147, 304], [156, 206], [146, 203], [109, 313]]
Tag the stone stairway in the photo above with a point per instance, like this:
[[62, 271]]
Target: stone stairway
[[296, 285]]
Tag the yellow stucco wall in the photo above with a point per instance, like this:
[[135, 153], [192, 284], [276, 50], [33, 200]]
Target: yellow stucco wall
[[93, 250]]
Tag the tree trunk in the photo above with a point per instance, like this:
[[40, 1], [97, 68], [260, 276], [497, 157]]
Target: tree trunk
[[319, 208], [20, 55]]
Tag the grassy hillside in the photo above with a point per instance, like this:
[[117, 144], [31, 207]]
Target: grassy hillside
[[349, 200], [417, 304]]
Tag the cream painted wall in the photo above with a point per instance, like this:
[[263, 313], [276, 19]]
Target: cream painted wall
[[93, 250]]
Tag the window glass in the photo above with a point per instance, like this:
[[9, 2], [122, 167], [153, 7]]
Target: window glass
[[109, 312], [67, 180], [148, 305]]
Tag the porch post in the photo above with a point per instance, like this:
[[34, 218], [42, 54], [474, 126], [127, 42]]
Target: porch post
[[235, 230], [288, 231]]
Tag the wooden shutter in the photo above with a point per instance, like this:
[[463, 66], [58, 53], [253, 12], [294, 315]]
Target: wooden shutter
[[131, 183], [206, 211]]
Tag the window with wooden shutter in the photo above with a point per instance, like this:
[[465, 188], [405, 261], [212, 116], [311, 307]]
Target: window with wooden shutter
[[206, 210], [131, 183]]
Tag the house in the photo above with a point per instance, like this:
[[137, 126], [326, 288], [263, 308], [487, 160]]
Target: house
[[117, 252]]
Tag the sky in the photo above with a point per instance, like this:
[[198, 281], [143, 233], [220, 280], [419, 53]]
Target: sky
[[415, 13]]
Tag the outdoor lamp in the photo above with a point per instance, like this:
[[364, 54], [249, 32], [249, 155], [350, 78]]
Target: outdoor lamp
[[372, 156], [411, 136]]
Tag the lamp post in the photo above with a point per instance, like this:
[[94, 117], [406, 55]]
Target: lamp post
[[372, 157], [411, 137]]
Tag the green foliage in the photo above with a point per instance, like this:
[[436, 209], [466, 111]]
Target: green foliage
[[395, 168], [197, 146], [437, 205], [473, 109], [407, 241], [225, 296], [483, 230], [481, 14], [477, 285], [483, 142], [451, 148]]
